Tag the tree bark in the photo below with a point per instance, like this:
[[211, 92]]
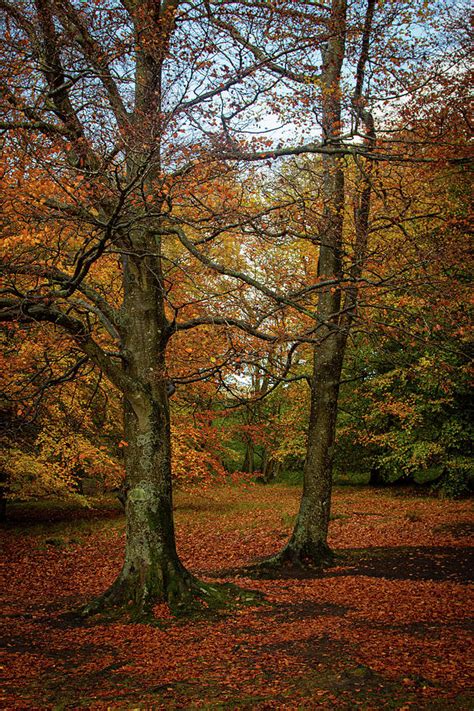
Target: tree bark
[[152, 571], [308, 542], [270, 468], [248, 464]]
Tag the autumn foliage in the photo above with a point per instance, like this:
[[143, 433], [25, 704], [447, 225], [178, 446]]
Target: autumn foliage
[[235, 257]]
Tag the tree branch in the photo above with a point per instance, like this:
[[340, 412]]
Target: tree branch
[[63, 279], [94, 53], [25, 311]]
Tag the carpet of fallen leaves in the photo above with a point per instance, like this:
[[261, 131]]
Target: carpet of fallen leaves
[[386, 627]]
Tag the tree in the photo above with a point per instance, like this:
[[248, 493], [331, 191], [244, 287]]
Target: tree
[[123, 124], [308, 543], [108, 118], [59, 424], [407, 413], [366, 51]]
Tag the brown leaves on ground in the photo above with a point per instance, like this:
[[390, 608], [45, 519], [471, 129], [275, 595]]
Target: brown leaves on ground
[[386, 627]]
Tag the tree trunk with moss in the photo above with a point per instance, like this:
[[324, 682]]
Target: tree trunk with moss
[[152, 571]]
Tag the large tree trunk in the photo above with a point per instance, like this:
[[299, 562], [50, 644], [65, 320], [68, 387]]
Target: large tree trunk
[[308, 543], [152, 571]]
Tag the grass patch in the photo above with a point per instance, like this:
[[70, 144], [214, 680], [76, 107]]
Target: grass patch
[[338, 516], [288, 520], [62, 523], [351, 478]]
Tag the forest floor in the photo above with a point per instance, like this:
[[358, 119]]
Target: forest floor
[[388, 627]]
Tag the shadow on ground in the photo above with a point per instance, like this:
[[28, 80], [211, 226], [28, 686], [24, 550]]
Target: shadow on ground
[[454, 564], [439, 563]]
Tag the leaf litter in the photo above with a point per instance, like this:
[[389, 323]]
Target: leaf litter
[[388, 626]]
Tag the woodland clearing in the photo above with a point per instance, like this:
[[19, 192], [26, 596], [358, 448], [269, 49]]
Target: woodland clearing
[[386, 627]]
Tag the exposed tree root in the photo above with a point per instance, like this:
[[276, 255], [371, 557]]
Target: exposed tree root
[[130, 599], [293, 561]]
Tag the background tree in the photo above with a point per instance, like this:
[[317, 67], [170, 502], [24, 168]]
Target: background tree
[[408, 411]]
